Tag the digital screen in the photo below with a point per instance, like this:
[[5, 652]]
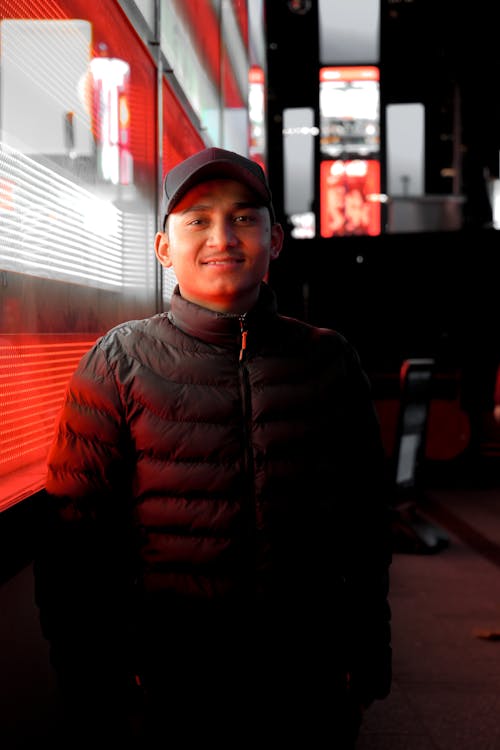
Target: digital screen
[[349, 151], [349, 197], [349, 107]]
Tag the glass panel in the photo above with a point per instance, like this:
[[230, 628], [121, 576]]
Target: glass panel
[[234, 75], [77, 140], [299, 133], [405, 149], [190, 40], [34, 370], [349, 32], [78, 163]]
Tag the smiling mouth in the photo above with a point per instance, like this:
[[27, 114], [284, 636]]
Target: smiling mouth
[[223, 262]]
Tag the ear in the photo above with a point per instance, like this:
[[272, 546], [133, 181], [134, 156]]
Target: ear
[[162, 249], [277, 237]]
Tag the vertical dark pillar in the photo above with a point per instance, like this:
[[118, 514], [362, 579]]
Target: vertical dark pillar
[[293, 81], [293, 73]]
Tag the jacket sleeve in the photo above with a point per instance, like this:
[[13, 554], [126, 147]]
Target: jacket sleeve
[[80, 569], [367, 545]]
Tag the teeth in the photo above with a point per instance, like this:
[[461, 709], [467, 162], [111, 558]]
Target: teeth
[[221, 262]]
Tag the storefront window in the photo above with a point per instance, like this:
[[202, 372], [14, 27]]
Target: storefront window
[[77, 208]]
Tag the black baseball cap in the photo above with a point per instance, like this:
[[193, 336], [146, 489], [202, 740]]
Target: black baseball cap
[[210, 164]]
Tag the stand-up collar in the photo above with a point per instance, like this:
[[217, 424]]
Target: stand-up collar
[[216, 327]]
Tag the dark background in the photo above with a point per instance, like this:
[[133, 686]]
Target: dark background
[[410, 294]]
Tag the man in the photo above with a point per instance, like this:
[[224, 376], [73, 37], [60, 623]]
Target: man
[[217, 555]]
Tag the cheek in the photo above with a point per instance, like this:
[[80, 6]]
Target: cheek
[[181, 259]]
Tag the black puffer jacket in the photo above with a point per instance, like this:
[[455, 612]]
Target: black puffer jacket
[[212, 461]]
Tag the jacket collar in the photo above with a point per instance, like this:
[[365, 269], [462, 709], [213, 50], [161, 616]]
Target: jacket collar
[[216, 327]]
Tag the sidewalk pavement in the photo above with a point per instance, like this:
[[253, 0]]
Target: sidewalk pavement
[[446, 634]]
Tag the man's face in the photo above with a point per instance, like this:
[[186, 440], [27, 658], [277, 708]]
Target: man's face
[[219, 243]]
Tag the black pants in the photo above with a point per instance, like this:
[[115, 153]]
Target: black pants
[[230, 707]]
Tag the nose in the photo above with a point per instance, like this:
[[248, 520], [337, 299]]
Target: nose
[[222, 234]]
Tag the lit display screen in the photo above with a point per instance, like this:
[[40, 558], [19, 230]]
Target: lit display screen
[[349, 151]]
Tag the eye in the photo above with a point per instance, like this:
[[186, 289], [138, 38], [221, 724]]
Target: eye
[[245, 218], [196, 221]]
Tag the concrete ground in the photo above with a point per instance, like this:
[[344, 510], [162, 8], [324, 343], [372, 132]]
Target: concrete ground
[[446, 633]]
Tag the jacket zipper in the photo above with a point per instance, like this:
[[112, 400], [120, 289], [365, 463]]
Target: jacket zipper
[[249, 468], [244, 333]]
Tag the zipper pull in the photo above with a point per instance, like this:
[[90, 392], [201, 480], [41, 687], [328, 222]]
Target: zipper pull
[[244, 333]]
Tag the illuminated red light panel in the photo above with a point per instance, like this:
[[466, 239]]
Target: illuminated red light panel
[[34, 371]]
